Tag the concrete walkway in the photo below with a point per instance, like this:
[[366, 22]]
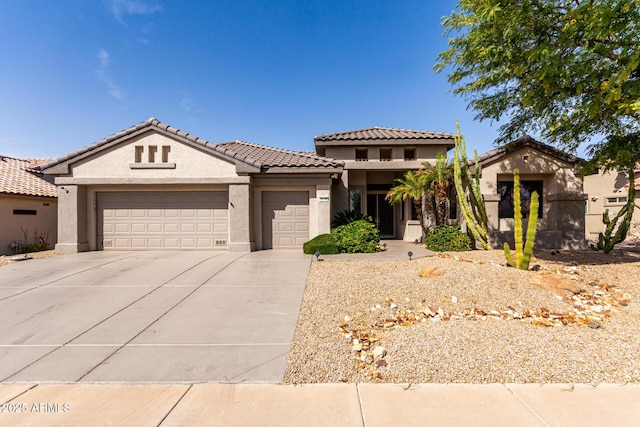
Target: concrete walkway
[[366, 405]]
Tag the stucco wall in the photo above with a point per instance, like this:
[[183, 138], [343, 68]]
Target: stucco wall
[[45, 220], [120, 161], [600, 187], [562, 224]]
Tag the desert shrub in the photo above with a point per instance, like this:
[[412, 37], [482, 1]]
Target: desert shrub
[[347, 216], [447, 238], [358, 236], [39, 243], [324, 243]]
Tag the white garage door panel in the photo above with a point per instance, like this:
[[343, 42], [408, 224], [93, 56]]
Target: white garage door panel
[[285, 219], [163, 220]]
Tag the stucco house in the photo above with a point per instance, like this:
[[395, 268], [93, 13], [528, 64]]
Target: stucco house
[[28, 204], [152, 186], [554, 174], [373, 158], [609, 191]]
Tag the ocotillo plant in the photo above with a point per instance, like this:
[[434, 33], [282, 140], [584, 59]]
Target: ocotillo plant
[[473, 210], [523, 252]]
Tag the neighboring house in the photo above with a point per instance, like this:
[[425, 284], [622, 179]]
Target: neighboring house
[[373, 158], [152, 186], [609, 190], [553, 174], [28, 204]]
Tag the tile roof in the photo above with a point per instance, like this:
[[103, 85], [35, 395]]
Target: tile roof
[[251, 154], [526, 141], [22, 176], [377, 133], [270, 157]]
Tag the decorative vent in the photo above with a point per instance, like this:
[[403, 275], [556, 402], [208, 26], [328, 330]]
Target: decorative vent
[[221, 243]]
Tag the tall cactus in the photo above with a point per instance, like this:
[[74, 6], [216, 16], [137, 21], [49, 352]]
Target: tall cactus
[[473, 209], [523, 251]]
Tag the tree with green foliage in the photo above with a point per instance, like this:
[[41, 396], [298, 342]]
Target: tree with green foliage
[[616, 154], [411, 186], [567, 70], [438, 179]]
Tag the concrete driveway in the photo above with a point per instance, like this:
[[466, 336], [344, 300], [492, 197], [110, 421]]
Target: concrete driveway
[[150, 316]]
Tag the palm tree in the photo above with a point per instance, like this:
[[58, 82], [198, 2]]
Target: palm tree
[[413, 187], [438, 179]]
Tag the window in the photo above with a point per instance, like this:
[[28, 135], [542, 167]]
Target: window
[[409, 154], [362, 155], [616, 200], [355, 200], [385, 154], [505, 190], [24, 212]]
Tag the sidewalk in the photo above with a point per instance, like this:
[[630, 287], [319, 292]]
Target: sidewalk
[[320, 405]]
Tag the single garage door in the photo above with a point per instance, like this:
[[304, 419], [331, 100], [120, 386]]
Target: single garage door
[[163, 220], [285, 219]]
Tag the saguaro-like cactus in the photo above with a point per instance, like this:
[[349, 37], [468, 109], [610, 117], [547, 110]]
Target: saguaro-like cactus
[[523, 251], [473, 210]]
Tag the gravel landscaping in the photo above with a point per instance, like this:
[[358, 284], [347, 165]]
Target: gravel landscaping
[[7, 259], [477, 322]]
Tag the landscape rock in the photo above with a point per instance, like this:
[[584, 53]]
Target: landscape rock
[[431, 271], [556, 283]]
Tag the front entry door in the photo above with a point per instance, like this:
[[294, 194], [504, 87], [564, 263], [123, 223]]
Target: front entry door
[[382, 213]]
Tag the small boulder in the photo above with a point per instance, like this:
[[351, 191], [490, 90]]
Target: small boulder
[[556, 283], [431, 271]]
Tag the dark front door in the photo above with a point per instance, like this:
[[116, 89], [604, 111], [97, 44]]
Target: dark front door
[[382, 213]]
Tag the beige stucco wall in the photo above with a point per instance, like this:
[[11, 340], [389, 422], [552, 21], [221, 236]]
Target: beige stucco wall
[[600, 187], [562, 224], [45, 220], [119, 161]]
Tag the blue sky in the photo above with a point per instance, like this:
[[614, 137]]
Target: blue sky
[[271, 72]]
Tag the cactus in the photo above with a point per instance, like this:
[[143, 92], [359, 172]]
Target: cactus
[[524, 251], [473, 210], [608, 240]]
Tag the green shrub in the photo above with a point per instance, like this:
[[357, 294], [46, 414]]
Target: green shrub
[[326, 244], [447, 238], [347, 216], [33, 247], [358, 236]]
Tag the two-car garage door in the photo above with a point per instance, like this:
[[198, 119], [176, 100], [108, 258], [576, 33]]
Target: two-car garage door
[[163, 220], [196, 220]]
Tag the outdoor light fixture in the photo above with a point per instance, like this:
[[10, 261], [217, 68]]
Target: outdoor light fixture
[[317, 254], [417, 241], [410, 255], [384, 246]]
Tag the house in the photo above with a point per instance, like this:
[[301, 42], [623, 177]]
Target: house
[[373, 159], [552, 173], [609, 191], [28, 204], [152, 186]]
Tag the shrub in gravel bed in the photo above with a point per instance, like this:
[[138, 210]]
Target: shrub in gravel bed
[[326, 244], [447, 238], [358, 236]]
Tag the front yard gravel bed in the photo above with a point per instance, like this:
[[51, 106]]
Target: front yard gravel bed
[[482, 349]]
